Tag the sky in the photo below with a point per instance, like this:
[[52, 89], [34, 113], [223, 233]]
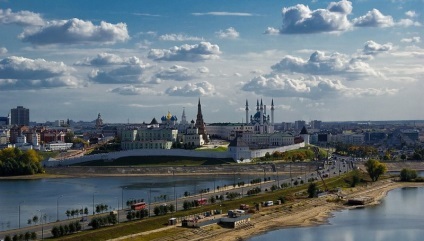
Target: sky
[[138, 59]]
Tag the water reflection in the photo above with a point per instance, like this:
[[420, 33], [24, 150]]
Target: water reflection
[[400, 216]]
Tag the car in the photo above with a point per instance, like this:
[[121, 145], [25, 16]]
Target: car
[[299, 177]]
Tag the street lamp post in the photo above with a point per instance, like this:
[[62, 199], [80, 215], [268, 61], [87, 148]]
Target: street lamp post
[[122, 198], [42, 227], [57, 208], [19, 219], [93, 203], [150, 194]]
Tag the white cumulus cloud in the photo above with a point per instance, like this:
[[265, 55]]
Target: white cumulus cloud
[[3, 50], [271, 31], [416, 39], [104, 59], [192, 53], [229, 33], [373, 48], [300, 19], [319, 63], [178, 37], [23, 18], [192, 89], [411, 14], [374, 18], [313, 88], [76, 31], [122, 75], [23, 73], [175, 72], [133, 90]]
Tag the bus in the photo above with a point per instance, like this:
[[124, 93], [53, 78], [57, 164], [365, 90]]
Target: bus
[[138, 206], [202, 201]]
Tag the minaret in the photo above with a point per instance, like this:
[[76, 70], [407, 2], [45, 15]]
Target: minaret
[[261, 109], [257, 105], [272, 112], [247, 112]]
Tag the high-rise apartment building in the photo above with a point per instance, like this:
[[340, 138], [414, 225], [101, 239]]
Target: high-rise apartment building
[[20, 116]]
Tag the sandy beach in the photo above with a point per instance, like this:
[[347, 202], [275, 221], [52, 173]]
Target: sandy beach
[[308, 212]]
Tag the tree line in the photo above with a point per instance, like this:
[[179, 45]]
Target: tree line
[[14, 162]]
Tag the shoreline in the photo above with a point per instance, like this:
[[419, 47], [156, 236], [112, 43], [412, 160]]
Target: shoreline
[[137, 171], [309, 212]]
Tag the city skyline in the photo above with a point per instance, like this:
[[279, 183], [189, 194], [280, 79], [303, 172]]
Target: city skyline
[[329, 61]]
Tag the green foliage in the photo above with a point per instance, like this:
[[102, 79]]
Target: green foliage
[[62, 230], [253, 191], [354, 150], [293, 155], [161, 210], [137, 214], [233, 195], [375, 169], [355, 179], [15, 162], [312, 190], [99, 222], [407, 175], [282, 199], [187, 205]]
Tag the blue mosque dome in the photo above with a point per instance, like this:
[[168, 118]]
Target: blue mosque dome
[[163, 118]]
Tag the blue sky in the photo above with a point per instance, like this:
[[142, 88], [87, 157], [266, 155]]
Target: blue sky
[[135, 60]]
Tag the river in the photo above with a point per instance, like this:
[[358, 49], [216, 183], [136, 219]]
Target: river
[[400, 216], [23, 199]]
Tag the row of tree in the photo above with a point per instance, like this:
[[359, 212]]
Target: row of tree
[[27, 236], [14, 162], [98, 222], [62, 230], [76, 212], [163, 209], [137, 214]]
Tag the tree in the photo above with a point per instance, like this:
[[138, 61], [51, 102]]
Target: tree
[[403, 157], [171, 208], [27, 235], [375, 169], [407, 175], [312, 190], [33, 236]]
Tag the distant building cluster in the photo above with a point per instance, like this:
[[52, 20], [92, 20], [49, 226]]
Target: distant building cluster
[[257, 134]]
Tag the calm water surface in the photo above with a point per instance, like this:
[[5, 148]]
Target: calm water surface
[[48, 195], [400, 217]]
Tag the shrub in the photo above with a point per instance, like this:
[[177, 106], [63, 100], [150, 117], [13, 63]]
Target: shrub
[[407, 175]]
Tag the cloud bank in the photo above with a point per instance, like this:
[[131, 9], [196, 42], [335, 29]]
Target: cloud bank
[[23, 73]]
